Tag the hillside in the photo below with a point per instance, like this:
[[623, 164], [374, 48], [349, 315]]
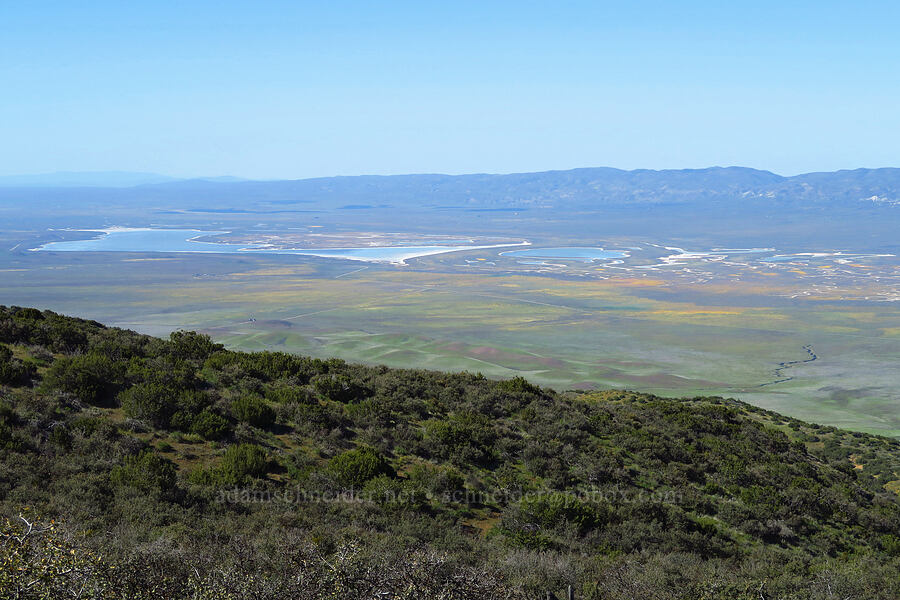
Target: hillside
[[175, 468]]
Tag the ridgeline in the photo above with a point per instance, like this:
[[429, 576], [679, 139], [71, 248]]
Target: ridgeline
[[137, 467]]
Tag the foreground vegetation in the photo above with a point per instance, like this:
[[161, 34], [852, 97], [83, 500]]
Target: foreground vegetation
[[137, 467]]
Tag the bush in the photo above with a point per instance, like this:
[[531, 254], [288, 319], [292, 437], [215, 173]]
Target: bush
[[7, 418], [210, 425], [354, 468], [518, 385], [293, 394], [12, 370], [440, 481], [150, 402], [253, 410], [243, 462], [339, 388], [40, 561], [463, 438], [91, 378], [148, 472], [395, 493], [192, 345], [552, 510], [890, 544]]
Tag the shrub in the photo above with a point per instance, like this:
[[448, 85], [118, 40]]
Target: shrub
[[40, 561], [339, 388], [210, 425], [553, 510], [61, 437], [151, 402], [464, 438], [293, 394], [440, 481], [192, 345], [242, 462], [91, 378], [28, 314], [12, 370], [354, 468], [253, 410], [395, 493], [7, 417], [147, 472], [890, 544], [190, 405], [518, 385]]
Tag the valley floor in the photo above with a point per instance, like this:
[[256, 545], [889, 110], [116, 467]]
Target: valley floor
[[658, 333]]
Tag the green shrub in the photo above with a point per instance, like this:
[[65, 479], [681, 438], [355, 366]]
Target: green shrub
[[242, 462], [555, 509], [61, 437], [339, 388], [395, 493], [700, 497], [147, 472], [6, 412], [890, 544], [150, 402], [253, 410], [7, 433], [464, 438], [518, 385], [12, 370], [40, 561], [439, 481], [291, 394], [28, 314], [88, 426], [91, 378], [532, 540], [192, 345], [210, 425], [354, 468]]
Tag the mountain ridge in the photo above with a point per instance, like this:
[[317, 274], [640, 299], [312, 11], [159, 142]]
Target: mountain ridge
[[582, 188], [100, 179], [198, 472]]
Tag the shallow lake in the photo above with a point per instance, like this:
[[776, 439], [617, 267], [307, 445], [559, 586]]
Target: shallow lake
[[184, 240], [567, 253]]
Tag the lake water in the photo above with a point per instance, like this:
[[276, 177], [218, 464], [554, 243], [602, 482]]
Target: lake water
[[184, 240], [144, 240], [567, 253]]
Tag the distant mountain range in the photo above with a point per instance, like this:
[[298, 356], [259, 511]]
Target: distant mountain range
[[577, 188], [112, 179]]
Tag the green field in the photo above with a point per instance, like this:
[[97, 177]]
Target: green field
[[641, 334]]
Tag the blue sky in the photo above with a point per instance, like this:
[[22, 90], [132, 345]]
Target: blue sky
[[295, 89]]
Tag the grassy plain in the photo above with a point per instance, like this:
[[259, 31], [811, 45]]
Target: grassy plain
[[642, 333]]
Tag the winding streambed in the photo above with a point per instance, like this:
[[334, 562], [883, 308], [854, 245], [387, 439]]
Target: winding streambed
[[783, 366]]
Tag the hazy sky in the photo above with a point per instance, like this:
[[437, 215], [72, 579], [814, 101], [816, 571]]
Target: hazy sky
[[296, 89]]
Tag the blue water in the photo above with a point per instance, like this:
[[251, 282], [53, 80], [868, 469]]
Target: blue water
[[155, 240], [568, 253], [181, 240]]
